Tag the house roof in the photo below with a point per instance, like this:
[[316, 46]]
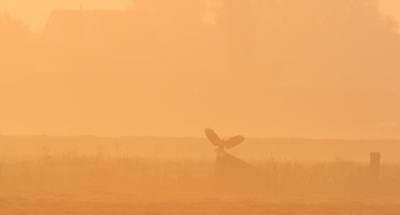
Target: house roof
[[130, 38], [123, 30], [98, 26]]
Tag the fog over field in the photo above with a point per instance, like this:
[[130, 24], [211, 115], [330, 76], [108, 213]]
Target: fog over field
[[199, 107]]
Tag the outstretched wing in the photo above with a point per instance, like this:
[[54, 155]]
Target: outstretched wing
[[212, 136], [233, 141]]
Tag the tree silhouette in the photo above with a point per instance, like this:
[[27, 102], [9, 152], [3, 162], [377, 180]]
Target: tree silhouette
[[16, 42], [343, 39], [321, 36], [239, 28], [349, 37], [178, 25]]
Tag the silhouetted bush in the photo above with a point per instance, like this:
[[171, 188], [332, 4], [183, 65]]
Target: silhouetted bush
[[17, 44]]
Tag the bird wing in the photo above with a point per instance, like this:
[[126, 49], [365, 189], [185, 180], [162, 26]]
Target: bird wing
[[233, 141], [212, 136]]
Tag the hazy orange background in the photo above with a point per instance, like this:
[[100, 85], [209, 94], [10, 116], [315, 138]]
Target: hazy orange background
[[36, 12], [103, 106], [111, 104]]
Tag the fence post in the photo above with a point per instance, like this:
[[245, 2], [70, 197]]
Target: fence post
[[374, 165]]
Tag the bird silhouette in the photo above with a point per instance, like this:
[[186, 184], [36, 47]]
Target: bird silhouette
[[221, 143]]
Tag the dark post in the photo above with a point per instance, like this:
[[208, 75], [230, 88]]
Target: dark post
[[374, 165]]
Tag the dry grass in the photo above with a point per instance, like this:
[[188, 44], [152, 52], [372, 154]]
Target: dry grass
[[93, 176], [115, 171]]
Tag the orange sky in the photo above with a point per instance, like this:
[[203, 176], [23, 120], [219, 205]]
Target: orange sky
[[35, 14], [348, 100]]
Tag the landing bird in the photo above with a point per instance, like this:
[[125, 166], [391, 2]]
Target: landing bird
[[221, 143]]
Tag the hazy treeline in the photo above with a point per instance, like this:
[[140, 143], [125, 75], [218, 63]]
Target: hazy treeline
[[18, 44], [339, 60], [343, 38], [316, 36]]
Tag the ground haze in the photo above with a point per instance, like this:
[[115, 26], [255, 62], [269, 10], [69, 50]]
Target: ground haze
[[103, 106]]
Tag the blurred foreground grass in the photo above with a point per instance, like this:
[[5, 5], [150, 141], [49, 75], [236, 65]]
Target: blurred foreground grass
[[115, 171]]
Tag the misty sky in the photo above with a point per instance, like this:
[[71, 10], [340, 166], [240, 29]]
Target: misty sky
[[36, 12], [339, 80]]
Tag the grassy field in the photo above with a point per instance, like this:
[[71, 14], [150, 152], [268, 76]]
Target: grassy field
[[154, 175]]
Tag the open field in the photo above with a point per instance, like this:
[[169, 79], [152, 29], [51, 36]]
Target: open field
[[194, 203], [154, 175]]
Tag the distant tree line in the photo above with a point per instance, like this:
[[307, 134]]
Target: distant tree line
[[318, 36], [17, 44], [340, 36]]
